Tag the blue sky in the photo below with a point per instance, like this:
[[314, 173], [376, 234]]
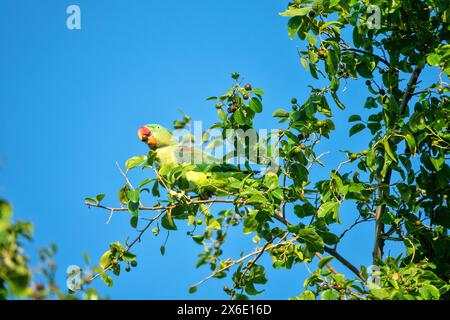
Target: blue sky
[[72, 100]]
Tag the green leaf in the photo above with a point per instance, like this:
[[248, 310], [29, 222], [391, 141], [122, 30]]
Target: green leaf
[[5, 215], [135, 162], [168, 223], [355, 117], [356, 128], [222, 116], [294, 12], [107, 280], [162, 249], [293, 26], [433, 59], [93, 200], [327, 207], [212, 223], [192, 290], [250, 224], [388, 150], [370, 103], [313, 241], [133, 195], [323, 262], [239, 117], [128, 256], [134, 222], [256, 105], [337, 101], [308, 295], [280, 113], [428, 292], [251, 290], [258, 91], [105, 259], [311, 39], [328, 295], [438, 163], [379, 293]]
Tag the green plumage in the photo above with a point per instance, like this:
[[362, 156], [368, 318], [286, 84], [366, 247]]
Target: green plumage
[[204, 173]]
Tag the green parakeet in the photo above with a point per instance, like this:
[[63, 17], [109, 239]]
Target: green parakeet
[[207, 175]]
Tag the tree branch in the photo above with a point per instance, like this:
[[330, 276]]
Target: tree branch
[[368, 53], [330, 251], [409, 91]]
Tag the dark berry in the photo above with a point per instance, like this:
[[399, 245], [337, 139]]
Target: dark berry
[[248, 87], [134, 263], [245, 96], [294, 101], [312, 13], [232, 108]]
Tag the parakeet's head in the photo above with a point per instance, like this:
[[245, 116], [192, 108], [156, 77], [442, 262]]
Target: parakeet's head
[[155, 136]]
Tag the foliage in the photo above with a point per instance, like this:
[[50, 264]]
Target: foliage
[[400, 184], [17, 278]]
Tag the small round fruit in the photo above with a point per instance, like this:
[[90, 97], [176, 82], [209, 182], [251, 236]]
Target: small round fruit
[[134, 263], [226, 289], [248, 87], [280, 131], [127, 269], [353, 156], [235, 76], [294, 101], [321, 53], [232, 108], [368, 82], [114, 262], [245, 96], [311, 13], [218, 105], [294, 108], [440, 90], [320, 123], [297, 150], [365, 152], [40, 287], [303, 146], [382, 92]]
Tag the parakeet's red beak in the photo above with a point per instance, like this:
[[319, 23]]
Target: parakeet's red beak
[[145, 135]]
